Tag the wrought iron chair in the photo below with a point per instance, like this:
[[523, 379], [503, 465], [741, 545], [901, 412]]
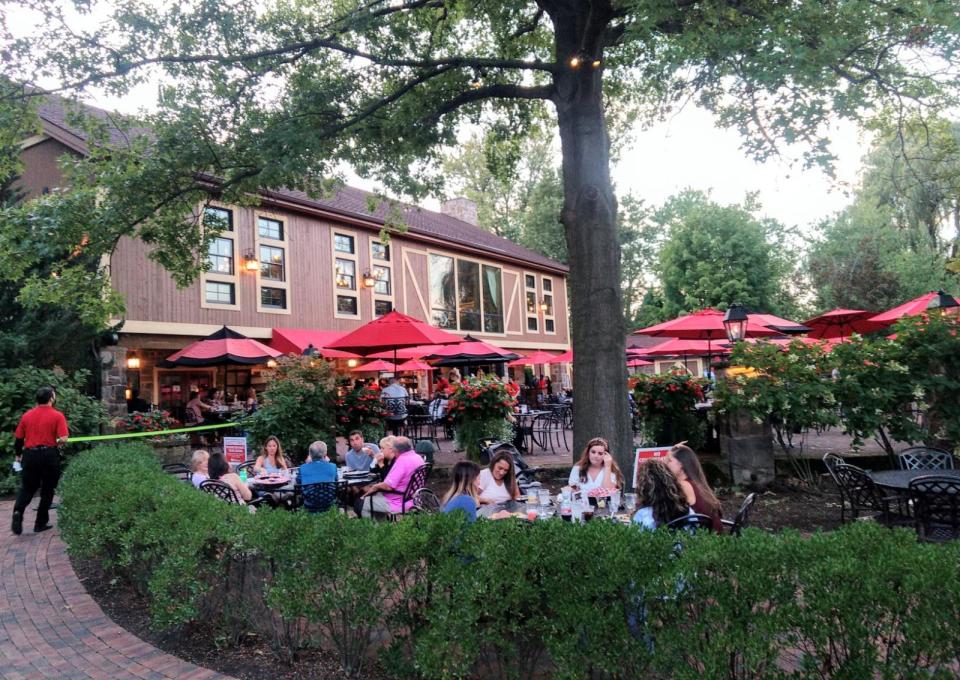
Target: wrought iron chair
[[547, 432], [925, 458], [831, 461], [321, 496], [425, 500], [742, 518], [417, 481], [246, 465], [396, 412], [691, 523], [936, 503], [178, 470], [863, 495], [225, 492]]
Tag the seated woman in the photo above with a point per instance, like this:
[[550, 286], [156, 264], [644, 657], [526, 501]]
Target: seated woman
[[596, 468], [464, 491], [198, 467], [659, 496], [498, 483], [685, 466], [271, 458], [219, 468]]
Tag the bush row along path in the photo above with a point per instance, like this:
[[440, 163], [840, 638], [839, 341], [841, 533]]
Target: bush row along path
[[51, 628]]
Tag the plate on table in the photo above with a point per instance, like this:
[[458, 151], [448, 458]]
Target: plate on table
[[271, 480], [356, 474]]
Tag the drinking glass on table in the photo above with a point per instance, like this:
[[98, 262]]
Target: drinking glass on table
[[630, 502], [543, 496], [614, 502]]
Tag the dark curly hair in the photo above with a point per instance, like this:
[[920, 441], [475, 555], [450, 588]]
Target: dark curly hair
[[658, 489]]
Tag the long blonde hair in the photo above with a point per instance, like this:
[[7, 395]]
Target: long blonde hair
[[465, 475]]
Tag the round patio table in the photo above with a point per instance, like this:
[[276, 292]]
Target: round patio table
[[899, 480]]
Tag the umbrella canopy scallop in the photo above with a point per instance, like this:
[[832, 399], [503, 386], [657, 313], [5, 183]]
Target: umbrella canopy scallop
[[226, 346]]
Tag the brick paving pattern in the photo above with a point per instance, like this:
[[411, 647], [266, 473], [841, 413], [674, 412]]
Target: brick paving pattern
[[51, 628]]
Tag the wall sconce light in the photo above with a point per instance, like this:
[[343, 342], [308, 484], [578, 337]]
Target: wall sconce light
[[250, 261], [133, 363], [128, 394], [352, 363], [544, 306], [369, 280], [271, 363]]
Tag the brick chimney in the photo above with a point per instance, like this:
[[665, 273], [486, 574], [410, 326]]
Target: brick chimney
[[461, 208]]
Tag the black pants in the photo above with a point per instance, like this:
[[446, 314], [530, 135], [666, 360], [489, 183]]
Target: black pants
[[41, 470]]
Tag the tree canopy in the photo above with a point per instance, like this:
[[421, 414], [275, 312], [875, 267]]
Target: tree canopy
[[270, 94]]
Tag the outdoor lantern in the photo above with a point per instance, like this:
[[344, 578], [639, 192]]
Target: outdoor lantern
[[369, 280], [250, 261], [544, 306], [941, 301], [133, 362], [352, 363], [576, 60], [735, 322], [271, 363]]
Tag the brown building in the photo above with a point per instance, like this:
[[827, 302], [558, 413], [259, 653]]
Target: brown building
[[297, 262]]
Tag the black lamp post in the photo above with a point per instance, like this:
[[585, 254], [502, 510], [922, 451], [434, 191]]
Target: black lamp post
[[941, 301], [735, 322]]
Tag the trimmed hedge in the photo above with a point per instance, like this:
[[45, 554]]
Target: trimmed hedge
[[438, 598]]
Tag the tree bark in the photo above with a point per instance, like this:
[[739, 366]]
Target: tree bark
[[590, 223]]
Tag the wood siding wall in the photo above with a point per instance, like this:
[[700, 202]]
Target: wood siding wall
[[152, 296]]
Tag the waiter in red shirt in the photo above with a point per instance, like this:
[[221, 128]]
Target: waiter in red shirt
[[41, 431]]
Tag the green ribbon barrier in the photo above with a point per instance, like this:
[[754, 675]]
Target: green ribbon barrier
[[155, 433]]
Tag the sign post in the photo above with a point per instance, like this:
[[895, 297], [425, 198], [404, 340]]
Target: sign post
[[235, 449]]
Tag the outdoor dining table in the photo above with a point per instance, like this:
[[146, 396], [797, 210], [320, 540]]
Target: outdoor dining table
[[899, 480], [493, 508]]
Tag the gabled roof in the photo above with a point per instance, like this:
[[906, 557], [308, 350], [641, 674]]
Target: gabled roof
[[347, 201]]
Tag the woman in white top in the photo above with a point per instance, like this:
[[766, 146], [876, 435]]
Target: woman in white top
[[199, 467], [596, 468], [498, 483]]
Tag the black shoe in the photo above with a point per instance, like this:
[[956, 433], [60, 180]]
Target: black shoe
[[16, 526], [37, 530]]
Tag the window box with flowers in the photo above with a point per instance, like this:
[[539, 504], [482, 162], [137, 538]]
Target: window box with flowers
[[479, 408]]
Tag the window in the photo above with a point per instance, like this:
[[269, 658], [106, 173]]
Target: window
[[273, 297], [220, 219], [217, 293], [346, 267], [443, 292], [381, 307], [220, 255], [219, 283], [549, 324], [465, 295], [271, 263], [271, 250], [530, 296], [492, 299], [270, 228], [344, 244], [382, 286], [347, 305], [346, 274], [380, 251]]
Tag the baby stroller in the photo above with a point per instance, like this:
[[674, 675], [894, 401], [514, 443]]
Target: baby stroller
[[526, 475]]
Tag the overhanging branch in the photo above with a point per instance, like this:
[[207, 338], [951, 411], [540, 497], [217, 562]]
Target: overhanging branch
[[498, 91]]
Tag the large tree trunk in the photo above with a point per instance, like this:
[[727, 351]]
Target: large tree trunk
[[590, 222]]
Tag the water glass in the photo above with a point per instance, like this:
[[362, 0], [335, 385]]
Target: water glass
[[630, 502], [543, 496], [614, 503]]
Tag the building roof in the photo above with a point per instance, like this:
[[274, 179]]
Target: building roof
[[347, 201]]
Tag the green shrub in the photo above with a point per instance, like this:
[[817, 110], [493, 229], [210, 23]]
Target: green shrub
[[18, 390], [439, 598]]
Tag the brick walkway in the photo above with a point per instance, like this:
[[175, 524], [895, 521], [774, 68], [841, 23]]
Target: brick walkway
[[51, 628]]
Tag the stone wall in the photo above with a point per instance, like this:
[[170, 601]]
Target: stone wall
[[113, 373], [747, 448]]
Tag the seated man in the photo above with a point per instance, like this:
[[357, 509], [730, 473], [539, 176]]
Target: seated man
[[360, 455], [319, 468], [387, 496]]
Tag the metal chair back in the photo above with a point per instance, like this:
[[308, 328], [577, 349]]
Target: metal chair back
[[936, 503], [831, 461], [221, 490], [426, 500], [742, 518], [860, 491], [246, 465], [925, 458], [418, 480], [178, 470], [321, 496], [691, 523]]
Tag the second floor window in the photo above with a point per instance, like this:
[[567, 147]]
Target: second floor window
[[382, 286], [346, 274], [272, 263], [217, 293], [465, 295], [220, 255], [268, 228], [344, 244]]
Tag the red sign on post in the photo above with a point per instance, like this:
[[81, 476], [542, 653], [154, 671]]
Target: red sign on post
[[642, 455], [235, 449]]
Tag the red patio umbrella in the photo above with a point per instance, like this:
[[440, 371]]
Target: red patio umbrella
[[679, 347], [779, 324], [415, 365], [417, 352], [392, 331], [566, 357], [470, 351], [635, 363], [840, 323], [379, 366], [226, 346], [703, 324], [536, 359], [914, 307], [296, 340]]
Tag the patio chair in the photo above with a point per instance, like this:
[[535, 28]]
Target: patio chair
[[246, 465], [863, 495], [425, 500], [925, 458], [742, 518], [396, 413], [225, 492], [936, 503], [691, 523], [547, 433], [831, 461], [418, 480], [321, 496], [178, 470]]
